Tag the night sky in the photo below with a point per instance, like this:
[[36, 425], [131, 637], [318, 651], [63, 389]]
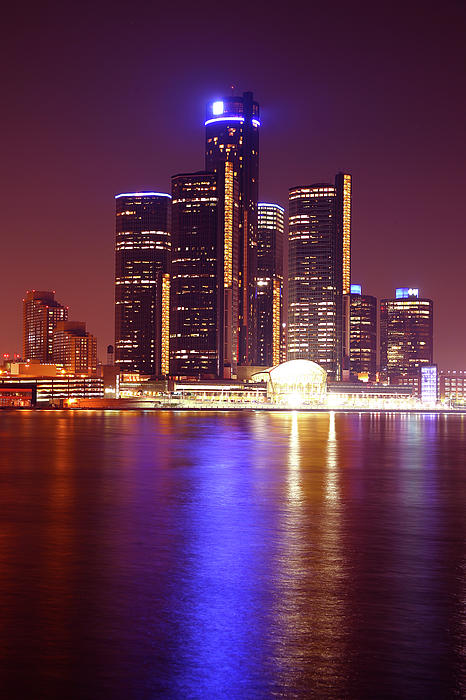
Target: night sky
[[110, 97]]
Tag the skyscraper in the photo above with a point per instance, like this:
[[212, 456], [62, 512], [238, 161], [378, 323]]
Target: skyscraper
[[204, 306], [142, 282], [363, 333], [74, 348], [406, 334], [270, 232], [232, 135], [41, 313], [319, 274]]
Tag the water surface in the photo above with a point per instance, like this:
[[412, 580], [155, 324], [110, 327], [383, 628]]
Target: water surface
[[233, 554]]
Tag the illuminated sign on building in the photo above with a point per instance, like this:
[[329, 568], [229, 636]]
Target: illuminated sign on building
[[406, 292], [346, 232], [143, 194], [429, 384], [276, 306], [228, 227], [165, 356], [355, 289]]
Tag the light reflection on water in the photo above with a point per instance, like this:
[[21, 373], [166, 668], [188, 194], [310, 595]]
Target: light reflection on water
[[251, 554]]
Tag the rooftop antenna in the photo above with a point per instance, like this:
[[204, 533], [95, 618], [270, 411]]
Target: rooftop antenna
[[232, 88]]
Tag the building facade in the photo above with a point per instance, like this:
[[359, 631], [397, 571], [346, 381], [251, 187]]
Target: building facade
[[429, 385], [406, 336], [363, 333], [452, 387], [142, 282], [204, 302], [49, 391], [232, 135], [41, 313], [319, 264], [270, 239], [74, 348]]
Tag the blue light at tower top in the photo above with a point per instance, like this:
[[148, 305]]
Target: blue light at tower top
[[268, 204], [255, 122], [223, 119], [355, 289], [406, 292], [143, 194]]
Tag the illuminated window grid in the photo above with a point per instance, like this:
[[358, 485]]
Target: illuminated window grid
[[346, 233], [276, 322], [165, 354], [228, 239]]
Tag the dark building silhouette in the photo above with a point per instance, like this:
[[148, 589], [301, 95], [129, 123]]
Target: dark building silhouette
[[232, 134], [406, 336], [142, 282], [319, 264], [204, 303], [269, 283], [41, 313], [363, 333]]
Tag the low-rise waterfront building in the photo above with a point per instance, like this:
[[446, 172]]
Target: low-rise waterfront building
[[53, 391], [452, 387], [295, 383]]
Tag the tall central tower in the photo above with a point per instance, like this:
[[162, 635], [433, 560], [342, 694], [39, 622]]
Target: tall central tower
[[204, 309], [232, 135], [319, 274]]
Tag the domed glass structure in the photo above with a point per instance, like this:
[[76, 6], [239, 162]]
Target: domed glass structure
[[295, 383]]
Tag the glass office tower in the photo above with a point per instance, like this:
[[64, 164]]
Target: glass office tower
[[204, 307], [142, 282], [363, 333], [406, 334], [319, 274], [269, 283], [232, 135]]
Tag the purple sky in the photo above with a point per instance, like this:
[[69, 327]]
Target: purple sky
[[107, 98]]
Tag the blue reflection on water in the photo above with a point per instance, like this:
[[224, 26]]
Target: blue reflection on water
[[234, 554], [223, 593]]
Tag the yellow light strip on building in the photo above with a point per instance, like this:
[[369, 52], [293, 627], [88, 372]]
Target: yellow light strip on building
[[346, 233], [228, 242], [276, 322], [165, 357]]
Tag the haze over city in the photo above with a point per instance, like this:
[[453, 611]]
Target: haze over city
[[100, 102]]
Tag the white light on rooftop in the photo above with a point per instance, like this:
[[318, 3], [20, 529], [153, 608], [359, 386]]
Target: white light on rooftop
[[217, 107]]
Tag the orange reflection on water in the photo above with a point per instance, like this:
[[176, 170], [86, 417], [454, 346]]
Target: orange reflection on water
[[311, 557]]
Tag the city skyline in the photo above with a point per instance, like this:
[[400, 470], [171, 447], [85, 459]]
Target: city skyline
[[396, 137], [147, 197], [233, 383]]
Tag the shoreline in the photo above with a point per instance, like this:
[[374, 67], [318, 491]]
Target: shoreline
[[252, 409]]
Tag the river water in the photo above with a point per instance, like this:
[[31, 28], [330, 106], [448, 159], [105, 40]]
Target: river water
[[232, 554]]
